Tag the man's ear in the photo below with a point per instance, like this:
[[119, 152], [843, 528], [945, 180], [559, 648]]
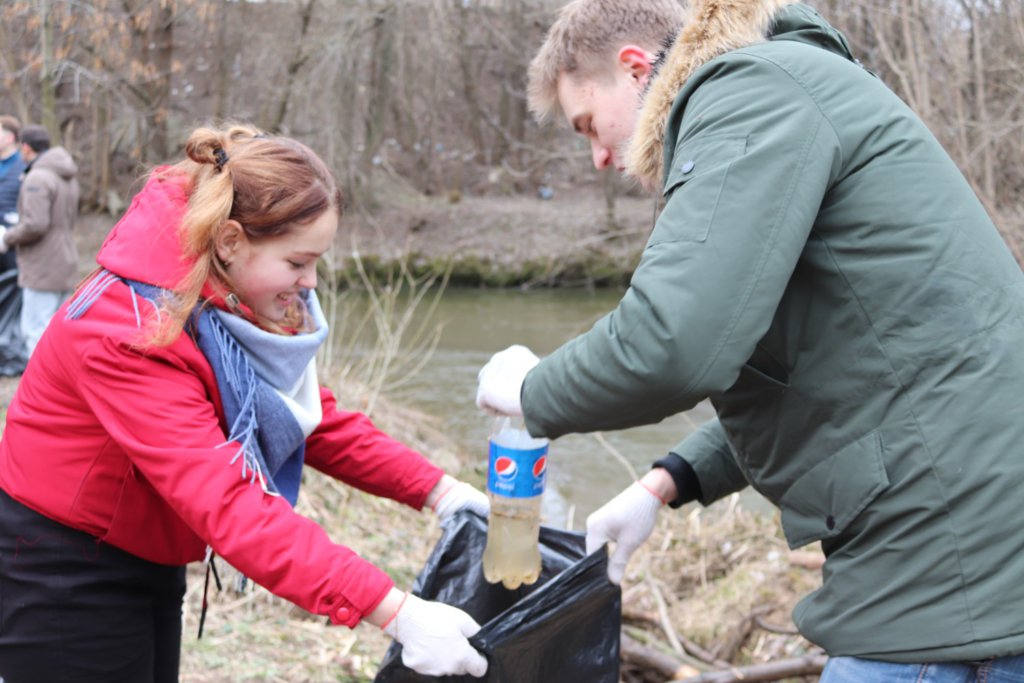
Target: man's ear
[[637, 62], [229, 240]]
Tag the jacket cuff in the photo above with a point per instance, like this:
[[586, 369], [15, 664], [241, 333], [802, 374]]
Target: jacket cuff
[[687, 484], [346, 610]]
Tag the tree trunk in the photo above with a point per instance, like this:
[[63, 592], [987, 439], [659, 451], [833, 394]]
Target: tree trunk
[[161, 56], [47, 81], [298, 59]]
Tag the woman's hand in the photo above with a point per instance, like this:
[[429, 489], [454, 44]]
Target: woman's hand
[[434, 636], [451, 495]]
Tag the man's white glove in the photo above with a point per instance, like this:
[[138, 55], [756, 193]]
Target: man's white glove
[[461, 496], [3, 242], [627, 520], [434, 638], [501, 380]]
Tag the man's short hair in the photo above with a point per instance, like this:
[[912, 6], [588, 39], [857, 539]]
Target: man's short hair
[[11, 124], [584, 36], [36, 137]]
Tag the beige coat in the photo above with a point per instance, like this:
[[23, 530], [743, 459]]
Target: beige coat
[[47, 206]]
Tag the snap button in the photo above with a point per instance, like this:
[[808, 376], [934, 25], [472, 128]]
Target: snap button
[[830, 522], [343, 614], [687, 166]]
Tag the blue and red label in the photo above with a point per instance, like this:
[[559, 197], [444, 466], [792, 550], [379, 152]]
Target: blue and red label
[[515, 473]]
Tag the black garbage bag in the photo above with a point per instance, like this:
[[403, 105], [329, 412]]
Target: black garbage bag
[[565, 627], [13, 354]]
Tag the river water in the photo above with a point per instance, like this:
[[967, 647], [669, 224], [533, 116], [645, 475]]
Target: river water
[[582, 471]]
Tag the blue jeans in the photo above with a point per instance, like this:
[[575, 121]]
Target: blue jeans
[[856, 670]]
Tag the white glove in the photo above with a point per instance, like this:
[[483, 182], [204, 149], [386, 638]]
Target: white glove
[[3, 242], [627, 520], [434, 638], [501, 380], [460, 496]]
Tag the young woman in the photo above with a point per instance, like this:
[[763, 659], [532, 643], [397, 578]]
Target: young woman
[[168, 411]]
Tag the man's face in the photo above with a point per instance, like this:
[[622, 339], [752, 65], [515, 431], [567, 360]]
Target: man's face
[[27, 153], [604, 107], [6, 140]]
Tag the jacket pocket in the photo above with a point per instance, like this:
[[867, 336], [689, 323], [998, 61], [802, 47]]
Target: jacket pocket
[[824, 501], [694, 184]]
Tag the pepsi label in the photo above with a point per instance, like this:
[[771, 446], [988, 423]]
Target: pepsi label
[[515, 473]]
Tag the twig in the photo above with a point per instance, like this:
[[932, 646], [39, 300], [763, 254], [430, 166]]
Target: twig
[[665, 622], [810, 665]]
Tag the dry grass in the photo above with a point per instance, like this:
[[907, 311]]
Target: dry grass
[[715, 587]]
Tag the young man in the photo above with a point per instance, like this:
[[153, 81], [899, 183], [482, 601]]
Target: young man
[[13, 355], [11, 168], [47, 256], [825, 275]]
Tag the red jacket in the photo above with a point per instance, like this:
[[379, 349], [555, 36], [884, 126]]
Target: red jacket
[[122, 442]]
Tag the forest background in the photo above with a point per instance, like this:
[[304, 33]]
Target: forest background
[[419, 107]]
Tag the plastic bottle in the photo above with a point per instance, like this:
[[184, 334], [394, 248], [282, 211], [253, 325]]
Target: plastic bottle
[[515, 483]]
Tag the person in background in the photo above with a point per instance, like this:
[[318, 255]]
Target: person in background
[[824, 274], [169, 410], [46, 253], [13, 355], [11, 168]]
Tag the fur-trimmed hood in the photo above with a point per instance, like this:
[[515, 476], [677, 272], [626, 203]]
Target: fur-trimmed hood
[[712, 28]]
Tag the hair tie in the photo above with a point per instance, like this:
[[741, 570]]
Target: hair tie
[[221, 156]]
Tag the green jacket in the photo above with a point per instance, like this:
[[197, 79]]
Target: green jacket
[[823, 272]]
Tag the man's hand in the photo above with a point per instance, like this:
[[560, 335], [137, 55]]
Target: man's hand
[[434, 638], [628, 519], [501, 380]]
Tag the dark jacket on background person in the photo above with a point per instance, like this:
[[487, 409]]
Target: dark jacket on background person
[[47, 206], [826, 276]]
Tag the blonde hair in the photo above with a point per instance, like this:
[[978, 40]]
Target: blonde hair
[[270, 185], [582, 39]]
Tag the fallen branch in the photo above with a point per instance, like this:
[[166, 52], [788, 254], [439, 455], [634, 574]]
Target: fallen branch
[[654, 660], [810, 665]]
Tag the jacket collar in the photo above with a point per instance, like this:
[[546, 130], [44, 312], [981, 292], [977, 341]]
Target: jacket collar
[[711, 28]]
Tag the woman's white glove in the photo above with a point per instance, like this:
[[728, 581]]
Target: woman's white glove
[[461, 496], [627, 520], [500, 381], [434, 638]]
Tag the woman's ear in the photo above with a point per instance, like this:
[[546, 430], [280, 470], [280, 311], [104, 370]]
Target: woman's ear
[[229, 241]]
